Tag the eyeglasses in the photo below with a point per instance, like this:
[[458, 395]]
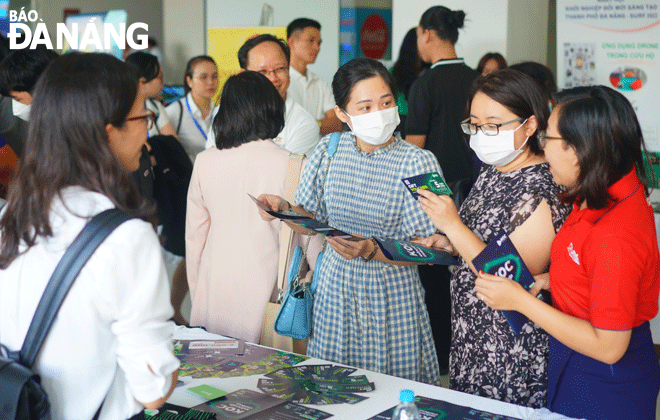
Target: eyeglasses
[[279, 72], [489, 129], [148, 118], [543, 139]]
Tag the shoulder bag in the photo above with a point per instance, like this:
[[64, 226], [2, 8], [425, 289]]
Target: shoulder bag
[[21, 394], [294, 318]]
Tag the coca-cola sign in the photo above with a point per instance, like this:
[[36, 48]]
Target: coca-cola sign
[[374, 36]]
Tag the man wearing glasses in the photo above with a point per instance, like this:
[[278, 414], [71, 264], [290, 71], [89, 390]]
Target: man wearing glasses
[[269, 55]]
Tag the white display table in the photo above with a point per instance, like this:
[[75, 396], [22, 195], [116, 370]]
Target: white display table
[[385, 396]]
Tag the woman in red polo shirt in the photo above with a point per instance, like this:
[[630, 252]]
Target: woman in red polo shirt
[[604, 273]]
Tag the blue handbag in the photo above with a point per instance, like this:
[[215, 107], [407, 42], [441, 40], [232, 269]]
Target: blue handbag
[[294, 318]]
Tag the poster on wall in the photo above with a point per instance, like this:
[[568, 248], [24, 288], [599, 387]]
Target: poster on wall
[[613, 43], [223, 45], [365, 32]]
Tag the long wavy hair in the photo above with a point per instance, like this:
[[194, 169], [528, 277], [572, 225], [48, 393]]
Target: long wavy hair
[[67, 145]]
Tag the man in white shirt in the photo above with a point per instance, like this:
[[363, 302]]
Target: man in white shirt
[[307, 88], [269, 55]]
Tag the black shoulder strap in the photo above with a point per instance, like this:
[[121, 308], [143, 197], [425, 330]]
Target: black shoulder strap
[[75, 257], [178, 126]]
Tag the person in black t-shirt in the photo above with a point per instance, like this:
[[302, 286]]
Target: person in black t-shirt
[[438, 98], [436, 105]]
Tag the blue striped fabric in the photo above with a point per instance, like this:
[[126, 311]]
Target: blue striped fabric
[[371, 315]]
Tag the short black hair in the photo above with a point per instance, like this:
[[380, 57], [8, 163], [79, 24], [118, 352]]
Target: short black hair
[[21, 69], [253, 42], [443, 21], [4, 47], [542, 74], [144, 65], [355, 71], [190, 69], [299, 25], [250, 109], [518, 93], [602, 127]]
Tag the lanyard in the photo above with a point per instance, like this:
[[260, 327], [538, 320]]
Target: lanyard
[[194, 120]]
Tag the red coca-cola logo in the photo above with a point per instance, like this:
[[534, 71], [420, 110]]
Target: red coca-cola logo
[[374, 36]]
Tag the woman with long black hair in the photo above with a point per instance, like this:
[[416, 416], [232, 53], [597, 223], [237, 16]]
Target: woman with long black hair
[[111, 342]]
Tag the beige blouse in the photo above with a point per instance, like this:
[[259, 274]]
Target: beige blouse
[[231, 253]]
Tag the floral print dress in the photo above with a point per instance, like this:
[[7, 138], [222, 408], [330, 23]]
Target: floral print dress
[[486, 357]]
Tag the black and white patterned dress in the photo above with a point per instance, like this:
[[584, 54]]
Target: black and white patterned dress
[[486, 358]]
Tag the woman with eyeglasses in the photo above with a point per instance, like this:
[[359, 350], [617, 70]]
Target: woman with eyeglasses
[[192, 115], [150, 74], [605, 271], [515, 193], [110, 345]]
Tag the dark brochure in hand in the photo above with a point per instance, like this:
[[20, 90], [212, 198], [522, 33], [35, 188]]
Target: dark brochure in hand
[[501, 258], [432, 181], [307, 222], [409, 252]]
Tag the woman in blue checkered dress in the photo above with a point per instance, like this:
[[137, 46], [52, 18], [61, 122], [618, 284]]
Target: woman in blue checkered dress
[[369, 312]]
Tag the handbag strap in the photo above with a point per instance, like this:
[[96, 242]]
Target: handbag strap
[[75, 257], [286, 233], [333, 145], [178, 126]]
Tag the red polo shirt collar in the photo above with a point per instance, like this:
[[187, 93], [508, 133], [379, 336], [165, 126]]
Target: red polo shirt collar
[[620, 190]]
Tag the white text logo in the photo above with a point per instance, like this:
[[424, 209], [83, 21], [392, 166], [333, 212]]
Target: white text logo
[[92, 36]]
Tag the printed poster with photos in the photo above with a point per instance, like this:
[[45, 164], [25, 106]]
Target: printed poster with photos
[[229, 358], [613, 43]]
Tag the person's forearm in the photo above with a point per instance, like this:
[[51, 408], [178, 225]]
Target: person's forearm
[[379, 256], [301, 211], [465, 242], [575, 333]]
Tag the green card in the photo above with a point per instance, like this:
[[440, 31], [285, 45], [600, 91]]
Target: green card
[[431, 181], [207, 392]]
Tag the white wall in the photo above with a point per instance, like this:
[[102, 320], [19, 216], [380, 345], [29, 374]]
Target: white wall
[[527, 27], [238, 13], [485, 28], [518, 29], [184, 36]]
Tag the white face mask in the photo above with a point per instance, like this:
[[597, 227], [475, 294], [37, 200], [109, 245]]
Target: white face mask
[[375, 128], [20, 110], [496, 150]]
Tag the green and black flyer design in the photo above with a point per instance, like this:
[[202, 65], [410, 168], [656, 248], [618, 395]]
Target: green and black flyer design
[[432, 181], [409, 252]]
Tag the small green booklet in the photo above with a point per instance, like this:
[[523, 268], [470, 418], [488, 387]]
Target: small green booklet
[[432, 181], [207, 392]]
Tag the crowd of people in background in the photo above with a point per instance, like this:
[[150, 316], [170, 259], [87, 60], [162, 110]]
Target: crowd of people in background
[[562, 173]]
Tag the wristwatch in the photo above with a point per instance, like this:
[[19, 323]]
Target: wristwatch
[[372, 254]]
